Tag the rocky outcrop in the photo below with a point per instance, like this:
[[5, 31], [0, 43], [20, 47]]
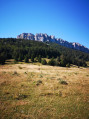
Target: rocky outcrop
[[46, 38], [28, 36]]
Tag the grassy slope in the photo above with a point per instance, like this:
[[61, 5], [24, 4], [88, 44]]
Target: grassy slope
[[22, 98]]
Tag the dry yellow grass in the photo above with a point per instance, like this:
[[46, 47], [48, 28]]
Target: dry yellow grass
[[23, 97]]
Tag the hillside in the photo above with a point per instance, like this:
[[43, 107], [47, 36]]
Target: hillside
[[46, 38], [35, 91], [18, 49], [70, 52]]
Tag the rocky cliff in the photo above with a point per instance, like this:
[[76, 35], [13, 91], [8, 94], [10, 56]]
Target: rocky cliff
[[46, 38]]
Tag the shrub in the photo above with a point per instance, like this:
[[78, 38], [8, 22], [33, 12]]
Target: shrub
[[41, 76], [15, 61], [58, 59], [84, 64], [19, 67], [63, 82], [36, 59], [68, 65], [32, 58], [59, 79], [15, 73], [63, 61], [48, 57], [21, 96], [2, 58], [51, 62], [44, 62], [26, 60], [39, 59], [20, 58], [38, 82], [56, 63]]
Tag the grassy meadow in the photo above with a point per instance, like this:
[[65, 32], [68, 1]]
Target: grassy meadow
[[35, 91]]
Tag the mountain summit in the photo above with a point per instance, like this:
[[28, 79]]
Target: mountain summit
[[46, 38]]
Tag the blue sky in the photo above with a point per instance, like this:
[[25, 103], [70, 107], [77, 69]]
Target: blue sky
[[66, 19]]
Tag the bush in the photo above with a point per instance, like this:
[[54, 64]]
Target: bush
[[68, 65], [39, 59], [59, 79], [21, 96], [15, 73], [36, 59], [26, 60], [58, 59], [56, 63], [15, 62], [32, 58], [44, 62], [63, 82], [19, 67], [20, 57], [51, 62], [38, 82], [2, 58], [48, 57], [84, 65], [63, 61]]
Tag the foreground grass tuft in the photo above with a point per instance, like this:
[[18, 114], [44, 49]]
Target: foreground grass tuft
[[61, 81], [38, 82], [21, 96]]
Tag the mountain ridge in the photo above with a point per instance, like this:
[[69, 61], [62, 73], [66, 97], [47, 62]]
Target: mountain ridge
[[46, 38]]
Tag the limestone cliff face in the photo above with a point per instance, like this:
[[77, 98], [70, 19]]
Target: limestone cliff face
[[28, 36], [45, 38]]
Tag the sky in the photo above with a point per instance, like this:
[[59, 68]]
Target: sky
[[66, 19]]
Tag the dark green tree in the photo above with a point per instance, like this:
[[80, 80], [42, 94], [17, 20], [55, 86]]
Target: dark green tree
[[58, 58], [56, 63], [48, 57], [39, 58], [51, 62], [26, 60], [32, 58], [2, 58], [15, 56], [20, 58], [44, 62], [63, 61], [68, 65]]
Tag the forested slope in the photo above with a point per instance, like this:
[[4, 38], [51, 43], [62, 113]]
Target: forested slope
[[19, 49]]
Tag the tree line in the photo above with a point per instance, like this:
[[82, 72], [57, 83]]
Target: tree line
[[21, 49]]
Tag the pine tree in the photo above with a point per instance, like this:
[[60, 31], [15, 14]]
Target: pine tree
[[39, 59], [32, 58], [58, 58], [63, 61], [20, 57], [26, 60], [44, 62], [51, 62], [2, 58]]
